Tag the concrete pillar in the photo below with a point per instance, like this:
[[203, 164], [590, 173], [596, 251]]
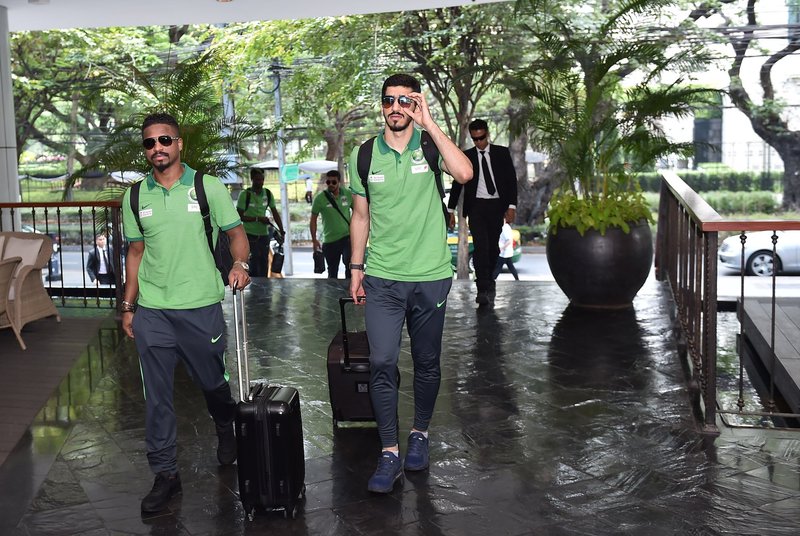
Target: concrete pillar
[[9, 181]]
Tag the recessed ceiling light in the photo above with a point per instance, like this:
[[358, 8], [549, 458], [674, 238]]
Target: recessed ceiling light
[[39, 2], [220, 1]]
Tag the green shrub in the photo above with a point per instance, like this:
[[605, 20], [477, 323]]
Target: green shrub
[[529, 234], [712, 180], [742, 202]]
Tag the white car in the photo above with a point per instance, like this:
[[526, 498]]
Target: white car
[[758, 253]]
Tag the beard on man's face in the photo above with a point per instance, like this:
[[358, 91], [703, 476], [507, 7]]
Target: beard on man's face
[[398, 122], [163, 164]]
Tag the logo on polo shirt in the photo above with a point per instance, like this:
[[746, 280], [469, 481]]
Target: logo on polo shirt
[[417, 156], [193, 205]]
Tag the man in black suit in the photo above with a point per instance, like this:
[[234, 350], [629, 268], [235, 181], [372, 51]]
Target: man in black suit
[[487, 200], [100, 264]]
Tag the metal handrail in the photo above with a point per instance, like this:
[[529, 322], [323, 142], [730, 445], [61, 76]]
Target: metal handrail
[[48, 217], [686, 257]]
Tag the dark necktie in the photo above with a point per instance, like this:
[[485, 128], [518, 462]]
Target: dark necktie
[[105, 261], [487, 174]]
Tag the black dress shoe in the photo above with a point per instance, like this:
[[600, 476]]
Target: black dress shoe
[[226, 447], [482, 298], [165, 487]]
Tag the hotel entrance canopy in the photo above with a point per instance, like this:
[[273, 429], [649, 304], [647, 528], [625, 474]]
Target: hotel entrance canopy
[[63, 14]]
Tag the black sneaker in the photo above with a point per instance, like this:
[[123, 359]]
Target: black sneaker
[[226, 448], [165, 487]]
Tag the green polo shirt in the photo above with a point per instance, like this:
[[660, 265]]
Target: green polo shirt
[[407, 237], [177, 269], [259, 206], [334, 226]]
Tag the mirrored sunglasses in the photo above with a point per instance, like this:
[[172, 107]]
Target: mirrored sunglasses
[[164, 141], [388, 100]]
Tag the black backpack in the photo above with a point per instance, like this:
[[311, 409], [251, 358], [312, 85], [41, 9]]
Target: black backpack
[[222, 251], [430, 151]]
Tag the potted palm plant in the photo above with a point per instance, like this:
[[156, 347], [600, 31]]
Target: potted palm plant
[[596, 95]]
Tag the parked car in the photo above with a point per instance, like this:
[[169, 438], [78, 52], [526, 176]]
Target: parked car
[[452, 243], [758, 253], [54, 264]]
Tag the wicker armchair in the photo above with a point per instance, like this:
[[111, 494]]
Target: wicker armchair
[[7, 269], [27, 298]]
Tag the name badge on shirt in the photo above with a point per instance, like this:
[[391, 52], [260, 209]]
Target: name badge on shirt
[[146, 213], [421, 168], [375, 178], [193, 207]]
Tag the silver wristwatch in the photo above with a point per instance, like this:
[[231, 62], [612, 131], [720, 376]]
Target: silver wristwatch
[[243, 265]]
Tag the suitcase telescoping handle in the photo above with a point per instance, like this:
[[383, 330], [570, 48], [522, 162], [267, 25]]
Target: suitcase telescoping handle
[[345, 344], [240, 330]]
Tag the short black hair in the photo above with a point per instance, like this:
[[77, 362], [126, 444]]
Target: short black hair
[[401, 79], [256, 173], [333, 173], [161, 119], [479, 124]]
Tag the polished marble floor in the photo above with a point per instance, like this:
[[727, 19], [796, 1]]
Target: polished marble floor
[[550, 421]]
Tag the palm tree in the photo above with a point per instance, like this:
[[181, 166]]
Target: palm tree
[[190, 91], [598, 129]]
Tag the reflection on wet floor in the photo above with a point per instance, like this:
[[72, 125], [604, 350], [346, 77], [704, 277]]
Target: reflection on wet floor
[[551, 420]]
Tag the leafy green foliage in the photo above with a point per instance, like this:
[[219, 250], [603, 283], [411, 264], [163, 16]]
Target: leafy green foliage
[[597, 129], [191, 91], [599, 212], [328, 75]]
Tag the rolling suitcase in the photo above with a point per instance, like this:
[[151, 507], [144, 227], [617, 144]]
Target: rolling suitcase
[[269, 436], [348, 374]]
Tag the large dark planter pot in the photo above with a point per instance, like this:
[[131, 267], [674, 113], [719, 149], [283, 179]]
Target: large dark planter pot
[[601, 271]]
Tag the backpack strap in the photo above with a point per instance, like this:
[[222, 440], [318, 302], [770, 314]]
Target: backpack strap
[[205, 211], [363, 162], [335, 205], [134, 199], [246, 199], [431, 153]]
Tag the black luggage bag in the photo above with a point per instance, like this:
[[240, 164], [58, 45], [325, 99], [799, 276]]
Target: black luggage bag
[[348, 374], [269, 436]]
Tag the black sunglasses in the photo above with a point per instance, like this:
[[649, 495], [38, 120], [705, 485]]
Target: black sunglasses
[[479, 138], [333, 182], [164, 141], [388, 100]]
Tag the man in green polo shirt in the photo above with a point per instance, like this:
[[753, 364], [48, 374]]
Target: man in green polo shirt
[[334, 205], [409, 272], [252, 206], [172, 299]]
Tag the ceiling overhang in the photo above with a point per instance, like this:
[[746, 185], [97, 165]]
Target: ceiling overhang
[[63, 14]]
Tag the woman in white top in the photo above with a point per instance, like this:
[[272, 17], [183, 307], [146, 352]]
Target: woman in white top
[[506, 252]]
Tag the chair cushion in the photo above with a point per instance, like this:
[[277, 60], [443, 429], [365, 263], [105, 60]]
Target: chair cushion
[[27, 249]]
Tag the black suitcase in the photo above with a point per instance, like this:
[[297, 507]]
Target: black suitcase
[[269, 436], [348, 374]]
